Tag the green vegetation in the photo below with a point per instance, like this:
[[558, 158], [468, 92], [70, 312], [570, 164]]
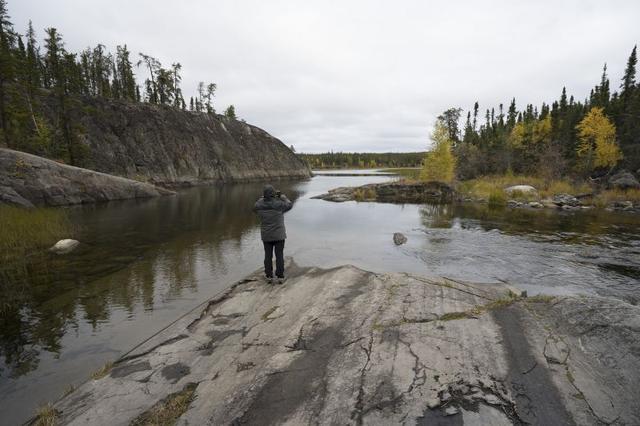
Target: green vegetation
[[452, 316], [365, 194], [23, 230], [32, 76], [439, 162], [230, 112], [564, 138], [493, 186], [169, 410], [363, 160]]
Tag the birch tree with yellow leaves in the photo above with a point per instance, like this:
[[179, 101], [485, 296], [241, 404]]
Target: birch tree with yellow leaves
[[439, 163]]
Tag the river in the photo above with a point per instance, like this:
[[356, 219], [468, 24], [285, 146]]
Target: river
[[143, 264]]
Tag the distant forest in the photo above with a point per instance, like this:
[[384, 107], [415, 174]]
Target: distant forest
[[33, 75], [567, 137], [361, 160]]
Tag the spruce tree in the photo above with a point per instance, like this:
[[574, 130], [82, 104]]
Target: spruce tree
[[7, 70]]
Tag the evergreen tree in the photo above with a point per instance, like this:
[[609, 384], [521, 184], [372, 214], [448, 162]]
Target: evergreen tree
[[7, 68], [153, 65], [230, 112]]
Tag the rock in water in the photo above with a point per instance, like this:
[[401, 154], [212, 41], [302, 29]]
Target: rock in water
[[399, 239], [562, 200], [525, 189], [64, 246]]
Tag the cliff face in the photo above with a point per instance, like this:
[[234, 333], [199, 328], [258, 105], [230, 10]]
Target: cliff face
[[165, 146]]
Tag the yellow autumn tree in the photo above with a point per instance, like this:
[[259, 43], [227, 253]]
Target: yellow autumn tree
[[439, 163], [532, 133], [597, 141]]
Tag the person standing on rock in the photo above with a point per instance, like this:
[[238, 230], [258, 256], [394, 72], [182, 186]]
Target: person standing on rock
[[271, 208]]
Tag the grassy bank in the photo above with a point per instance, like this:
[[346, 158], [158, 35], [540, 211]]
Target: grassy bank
[[23, 230], [492, 189]]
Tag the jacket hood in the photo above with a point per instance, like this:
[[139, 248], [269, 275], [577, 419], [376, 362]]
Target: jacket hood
[[268, 192]]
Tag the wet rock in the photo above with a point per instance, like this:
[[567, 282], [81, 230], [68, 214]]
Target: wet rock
[[623, 205], [514, 203], [399, 239], [624, 180], [535, 205], [64, 246], [524, 189], [562, 200]]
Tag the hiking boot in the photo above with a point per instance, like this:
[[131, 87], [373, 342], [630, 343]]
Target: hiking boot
[[281, 280], [269, 280]]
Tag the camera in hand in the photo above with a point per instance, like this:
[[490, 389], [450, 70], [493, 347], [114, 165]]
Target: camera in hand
[[278, 194]]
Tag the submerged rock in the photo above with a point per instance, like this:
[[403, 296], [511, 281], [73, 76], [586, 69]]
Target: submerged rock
[[399, 238], [64, 246], [355, 347]]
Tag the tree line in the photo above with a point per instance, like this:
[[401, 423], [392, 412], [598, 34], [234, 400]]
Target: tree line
[[30, 74], [565, 138], [360, 160]]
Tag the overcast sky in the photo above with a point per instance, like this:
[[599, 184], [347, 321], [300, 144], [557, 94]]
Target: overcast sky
[[359, 75]]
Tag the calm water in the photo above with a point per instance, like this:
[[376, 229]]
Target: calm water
[[143, 264]]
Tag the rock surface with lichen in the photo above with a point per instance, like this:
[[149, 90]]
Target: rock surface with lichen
[[347, 346]]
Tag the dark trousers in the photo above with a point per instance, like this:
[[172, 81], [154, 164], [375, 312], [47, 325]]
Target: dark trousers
[[269, 247]]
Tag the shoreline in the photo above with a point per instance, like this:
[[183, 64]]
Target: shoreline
[[412, 192]]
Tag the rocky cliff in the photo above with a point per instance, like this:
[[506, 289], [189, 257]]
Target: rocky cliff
[[28, 180], [166, 146]]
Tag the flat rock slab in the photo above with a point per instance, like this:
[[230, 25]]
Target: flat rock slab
[[28, 180], [347, 346]]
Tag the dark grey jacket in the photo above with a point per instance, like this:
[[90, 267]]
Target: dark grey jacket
[[271, 210]]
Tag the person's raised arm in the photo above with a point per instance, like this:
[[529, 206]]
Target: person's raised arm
[[287, 203]]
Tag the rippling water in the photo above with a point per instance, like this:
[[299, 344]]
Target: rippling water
[[143, 264]]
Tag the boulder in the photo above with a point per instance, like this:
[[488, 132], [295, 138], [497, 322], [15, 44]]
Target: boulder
[[624, 180], [28, 180], [64, 246], [561, 200], [525, 189], [535, 205], [9, 196], [399, 239]]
